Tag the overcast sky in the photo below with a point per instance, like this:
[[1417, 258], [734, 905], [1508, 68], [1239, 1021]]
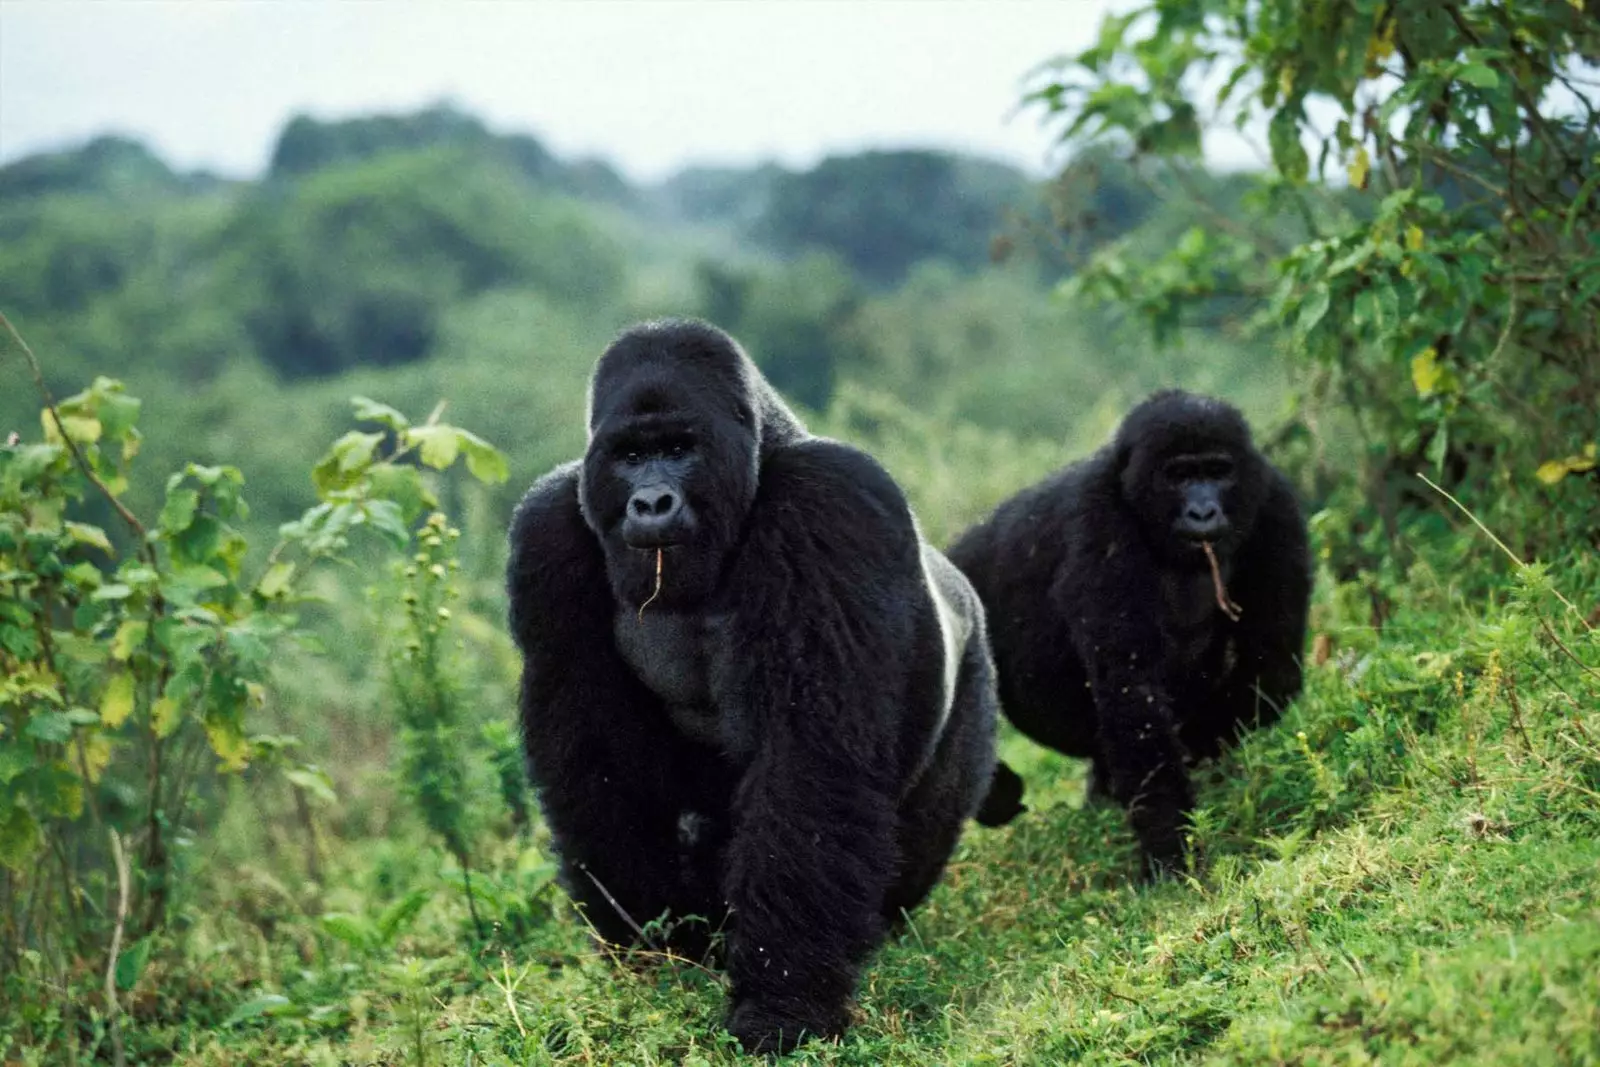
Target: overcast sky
[[650, 85]]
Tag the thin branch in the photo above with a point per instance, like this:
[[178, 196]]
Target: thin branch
[[618, 908], [83, 463], [113, 1009], [1502, 546]]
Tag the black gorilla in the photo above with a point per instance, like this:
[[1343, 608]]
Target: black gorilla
[[751, 693], [1113, 636]]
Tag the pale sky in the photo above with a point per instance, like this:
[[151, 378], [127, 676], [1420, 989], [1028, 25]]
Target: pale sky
[[649, 85]]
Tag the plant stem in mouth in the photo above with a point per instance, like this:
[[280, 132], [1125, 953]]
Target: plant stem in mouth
[[657, 591], [1229, 608]]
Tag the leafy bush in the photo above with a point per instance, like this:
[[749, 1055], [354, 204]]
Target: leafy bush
[[137, 663], [1449, 304]]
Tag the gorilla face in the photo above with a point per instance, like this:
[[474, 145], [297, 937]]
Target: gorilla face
[[1190, 474], [671, 464]]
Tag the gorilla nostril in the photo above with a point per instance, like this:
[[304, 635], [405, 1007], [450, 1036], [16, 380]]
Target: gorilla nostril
[[652, 504]]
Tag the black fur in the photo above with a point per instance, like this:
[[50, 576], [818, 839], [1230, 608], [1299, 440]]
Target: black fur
[[1107, 634], [766, 746]]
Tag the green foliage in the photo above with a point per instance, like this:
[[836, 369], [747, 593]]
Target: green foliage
[[883, 212], [435, 760], [137, 665], [1450, 301]]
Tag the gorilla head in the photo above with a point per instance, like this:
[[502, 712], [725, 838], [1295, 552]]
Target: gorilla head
[[675, 444], [1190, 473]]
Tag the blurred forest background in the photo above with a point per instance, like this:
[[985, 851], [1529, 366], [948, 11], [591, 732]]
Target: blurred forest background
[[421, 257], [260, 793]]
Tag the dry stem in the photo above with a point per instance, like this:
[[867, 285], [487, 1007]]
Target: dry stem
[[650, 600], [1229, 608]]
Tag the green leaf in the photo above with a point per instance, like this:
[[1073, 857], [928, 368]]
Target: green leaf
[[1439, 447], [178, 512], [266, 1004], [385, 517], [344, 462], [51, 727], [313, 781], [130, 965], [399, 913], [84, 534], [404, 485], [484, 461], [1480, 75], [372, 411], [19, 837], [114, 591], [357, 931], [439, 444], [276, 581], [117, 411], [1313, 309]]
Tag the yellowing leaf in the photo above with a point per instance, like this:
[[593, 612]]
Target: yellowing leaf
[[1414, 237], [96, 755], [1360, 167], [116, 704], [129, 636], [1552, 471], [83, 429], [439, 444], [1425, 370], [1286, 81], [229, 744], [164, 716]]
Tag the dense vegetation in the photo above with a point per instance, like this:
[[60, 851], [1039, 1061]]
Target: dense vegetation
[[260, 799]]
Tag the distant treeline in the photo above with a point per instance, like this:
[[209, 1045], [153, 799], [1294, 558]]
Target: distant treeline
[[361, 231]]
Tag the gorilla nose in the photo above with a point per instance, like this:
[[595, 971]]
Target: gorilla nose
[[655, 502], [1202, 520], [654, 515]]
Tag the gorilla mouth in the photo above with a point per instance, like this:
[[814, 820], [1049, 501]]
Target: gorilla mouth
[[648, 538], [653, 540]]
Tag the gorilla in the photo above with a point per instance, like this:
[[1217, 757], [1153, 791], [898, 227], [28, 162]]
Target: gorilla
[[1144, 605], [754, 701]]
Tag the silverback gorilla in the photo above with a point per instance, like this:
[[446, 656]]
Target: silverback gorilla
[[751, 694], [1116, 637]]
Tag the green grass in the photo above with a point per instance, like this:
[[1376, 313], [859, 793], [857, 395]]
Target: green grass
[[1406, 869]]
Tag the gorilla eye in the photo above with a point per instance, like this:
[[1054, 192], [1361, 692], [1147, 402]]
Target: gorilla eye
[[675, 451], [630, 456]]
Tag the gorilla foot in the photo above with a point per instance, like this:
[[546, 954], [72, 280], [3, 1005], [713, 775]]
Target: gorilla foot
[[1004, 800], [765, 1026]]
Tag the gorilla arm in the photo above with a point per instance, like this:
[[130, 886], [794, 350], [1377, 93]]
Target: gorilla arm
[[1272, 581], [825, 594], [610, 770], [1109, 594]]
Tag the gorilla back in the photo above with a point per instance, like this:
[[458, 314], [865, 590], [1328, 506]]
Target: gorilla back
[[753, 700], [1145, 604]]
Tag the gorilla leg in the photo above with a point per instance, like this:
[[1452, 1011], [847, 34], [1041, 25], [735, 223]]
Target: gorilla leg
[[932, 814]]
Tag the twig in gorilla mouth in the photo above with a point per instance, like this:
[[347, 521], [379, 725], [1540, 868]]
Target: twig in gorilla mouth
[[1225, 602], [655, 592]]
